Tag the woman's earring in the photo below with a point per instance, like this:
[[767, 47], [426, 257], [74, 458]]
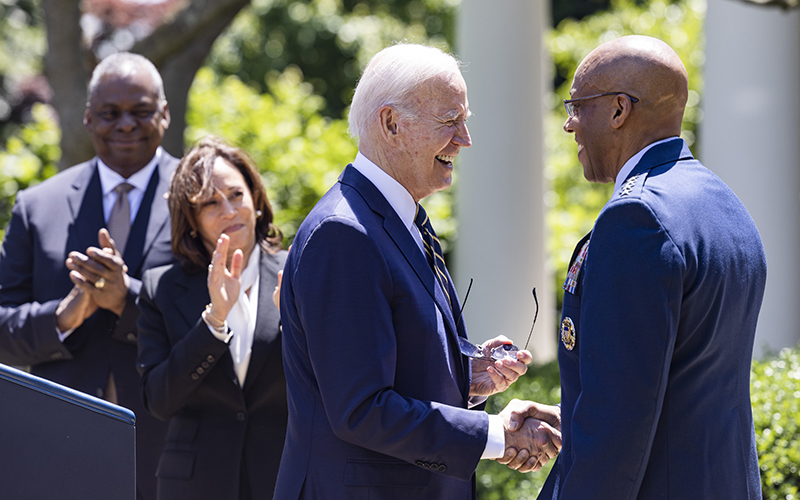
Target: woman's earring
[[193, 233], [259, 213]]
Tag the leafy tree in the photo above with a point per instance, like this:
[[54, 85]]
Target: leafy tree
[[330, 40]]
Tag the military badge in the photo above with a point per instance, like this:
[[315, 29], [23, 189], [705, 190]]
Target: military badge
[[568, 333]]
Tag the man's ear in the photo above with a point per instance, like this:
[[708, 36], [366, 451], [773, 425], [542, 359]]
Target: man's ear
[[87, 117], [165, 117], [622, 109], [389, 121]]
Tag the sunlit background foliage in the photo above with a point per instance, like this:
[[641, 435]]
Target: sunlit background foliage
[[278, 83]]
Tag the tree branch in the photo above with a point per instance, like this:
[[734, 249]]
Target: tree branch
[[182, 30]]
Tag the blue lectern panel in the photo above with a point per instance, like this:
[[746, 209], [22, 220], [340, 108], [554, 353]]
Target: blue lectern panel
[[59, 443]]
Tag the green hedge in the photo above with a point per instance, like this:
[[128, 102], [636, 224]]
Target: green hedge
[[775, 394]]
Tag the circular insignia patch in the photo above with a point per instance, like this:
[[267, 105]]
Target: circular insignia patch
[[568, 333]]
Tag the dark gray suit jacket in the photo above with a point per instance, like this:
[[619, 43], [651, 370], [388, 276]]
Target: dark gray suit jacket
[[49, 220]]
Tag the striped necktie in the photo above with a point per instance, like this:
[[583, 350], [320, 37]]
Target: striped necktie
[[433, 249]]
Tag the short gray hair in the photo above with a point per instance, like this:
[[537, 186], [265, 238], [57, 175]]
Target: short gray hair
[[391, 77], [124, 64]]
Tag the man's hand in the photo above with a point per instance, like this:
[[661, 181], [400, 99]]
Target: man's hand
[[492, 377], [102, 274], [532, 434], [74, 309]]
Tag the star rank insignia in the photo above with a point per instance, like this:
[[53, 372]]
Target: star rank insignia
[[568, 333], [626, 188]]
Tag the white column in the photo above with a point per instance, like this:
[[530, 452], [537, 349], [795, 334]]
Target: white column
[[750, 137], [500, 187]]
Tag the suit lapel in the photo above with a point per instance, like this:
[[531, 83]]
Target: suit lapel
[[266, 337], [398, 232], [153, 215], [192, 297], [85, 199]]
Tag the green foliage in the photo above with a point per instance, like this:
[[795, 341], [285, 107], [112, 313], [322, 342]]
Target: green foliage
[[29, 156], [22, 46], [330, 40], [496, 481], [574, 203], [775, 395]]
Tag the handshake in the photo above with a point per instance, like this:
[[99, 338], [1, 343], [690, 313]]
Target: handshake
[[532, 434]]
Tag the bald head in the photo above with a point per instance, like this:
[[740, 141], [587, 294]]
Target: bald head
[[646, 68]]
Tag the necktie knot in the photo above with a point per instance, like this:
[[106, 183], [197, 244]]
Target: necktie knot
[[123, 187]]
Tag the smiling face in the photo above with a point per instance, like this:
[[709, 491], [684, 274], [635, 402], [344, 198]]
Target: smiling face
[[126, 120], [591, 127], [430, 137], [229, 210]]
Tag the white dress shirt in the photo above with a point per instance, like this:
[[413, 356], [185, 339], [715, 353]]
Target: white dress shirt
[[109, 180], [406, 208]]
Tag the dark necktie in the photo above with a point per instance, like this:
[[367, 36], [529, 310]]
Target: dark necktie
[[119, 222], [433, 249]]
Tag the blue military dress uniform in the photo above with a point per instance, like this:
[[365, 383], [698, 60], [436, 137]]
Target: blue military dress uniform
[[656, 340]]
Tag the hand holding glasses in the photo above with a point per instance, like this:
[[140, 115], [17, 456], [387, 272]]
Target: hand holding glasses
[[499, 353]]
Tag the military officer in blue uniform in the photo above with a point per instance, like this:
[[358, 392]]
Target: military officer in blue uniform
[[660, 302]]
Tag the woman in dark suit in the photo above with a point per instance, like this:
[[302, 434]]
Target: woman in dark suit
[[209, 333]]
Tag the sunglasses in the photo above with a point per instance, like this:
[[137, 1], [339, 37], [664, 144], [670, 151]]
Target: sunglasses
[[499, 353]]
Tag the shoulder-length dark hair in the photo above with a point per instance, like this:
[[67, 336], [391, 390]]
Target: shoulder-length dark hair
[[191, 185]]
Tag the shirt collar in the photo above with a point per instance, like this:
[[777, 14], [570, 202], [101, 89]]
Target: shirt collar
[[110, 179], [398, 197], [633, 161]]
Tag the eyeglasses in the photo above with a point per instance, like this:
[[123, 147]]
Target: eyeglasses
[[505, 351], [571, 109]]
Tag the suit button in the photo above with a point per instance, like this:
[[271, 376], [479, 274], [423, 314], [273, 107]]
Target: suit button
[[57, 355], [205, 364], [131, 337], [195, 376], [442, 467], [200, 370], [240, 416], [210, 358], [420, 463]]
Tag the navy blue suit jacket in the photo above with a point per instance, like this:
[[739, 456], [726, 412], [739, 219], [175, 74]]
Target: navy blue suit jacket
[[216, 426], [50, 220], [656, 391], [377, 390]]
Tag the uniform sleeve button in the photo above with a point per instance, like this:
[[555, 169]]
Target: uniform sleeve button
[[195, 376], [210, 358], [442, 467], [240, 416], [131, 337], [205, 364], [200, 370], [57, 355]]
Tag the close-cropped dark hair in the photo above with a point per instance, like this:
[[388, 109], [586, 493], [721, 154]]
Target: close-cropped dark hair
[[191, 186]]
